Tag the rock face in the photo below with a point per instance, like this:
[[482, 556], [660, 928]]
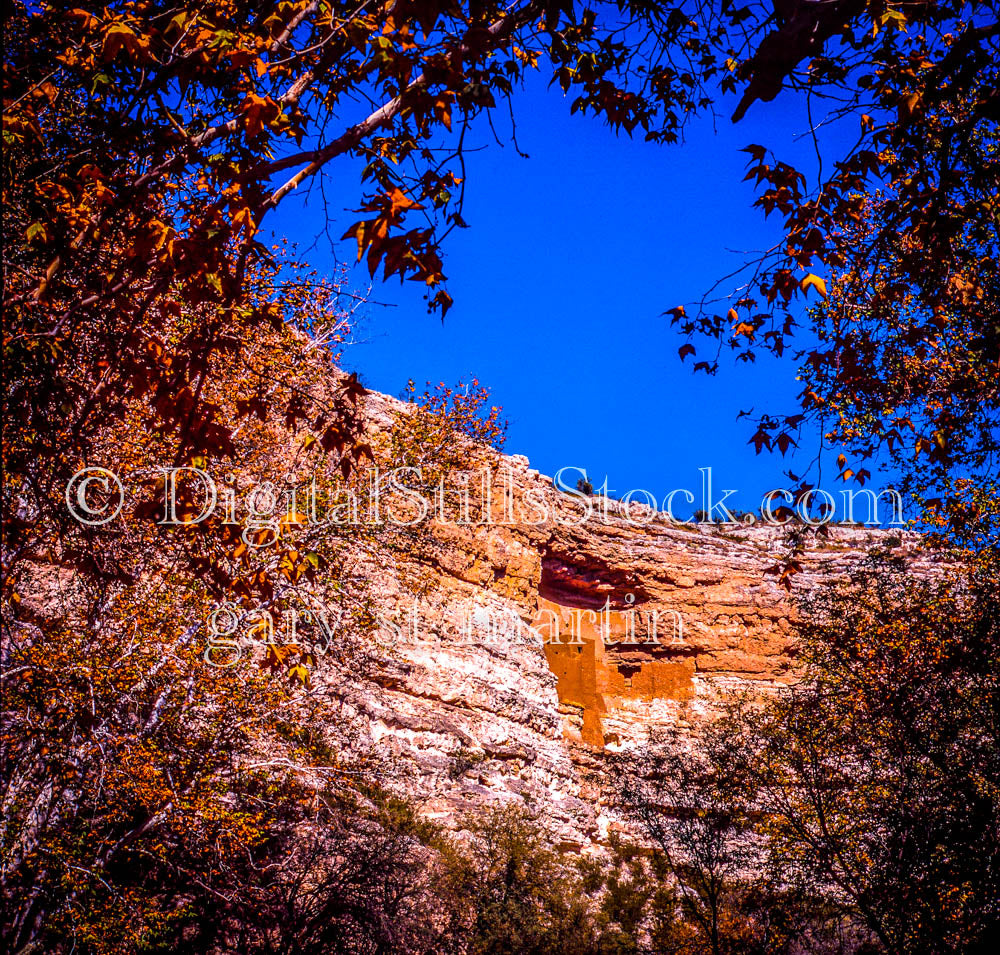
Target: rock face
[[527, 644]]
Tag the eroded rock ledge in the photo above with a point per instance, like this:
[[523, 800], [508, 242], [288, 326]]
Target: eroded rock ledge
[[496, 713]]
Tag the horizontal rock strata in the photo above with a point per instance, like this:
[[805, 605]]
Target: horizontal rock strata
[[526, 652]]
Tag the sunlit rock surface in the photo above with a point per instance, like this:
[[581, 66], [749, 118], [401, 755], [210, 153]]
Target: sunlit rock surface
[[499, 686]]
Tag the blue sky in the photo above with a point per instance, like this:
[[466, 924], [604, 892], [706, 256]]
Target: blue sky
[[559, 289]]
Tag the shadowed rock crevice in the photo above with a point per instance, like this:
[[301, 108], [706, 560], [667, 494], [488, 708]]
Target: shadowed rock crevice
[[582, 580]]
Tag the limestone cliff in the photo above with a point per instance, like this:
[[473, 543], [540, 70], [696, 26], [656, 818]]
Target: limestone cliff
[[499, 685]]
